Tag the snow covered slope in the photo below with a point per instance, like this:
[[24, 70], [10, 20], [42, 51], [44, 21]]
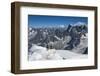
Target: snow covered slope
[[41, 53]]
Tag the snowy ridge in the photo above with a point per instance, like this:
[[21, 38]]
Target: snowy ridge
[[41, 53]]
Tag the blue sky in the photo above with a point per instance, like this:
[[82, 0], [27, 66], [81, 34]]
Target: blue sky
[[45, 21]]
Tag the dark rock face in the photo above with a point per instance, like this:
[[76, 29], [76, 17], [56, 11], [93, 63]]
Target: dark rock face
[[86, 50], [44, 36]]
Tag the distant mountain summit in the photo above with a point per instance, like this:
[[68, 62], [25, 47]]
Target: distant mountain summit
[[79, 24]]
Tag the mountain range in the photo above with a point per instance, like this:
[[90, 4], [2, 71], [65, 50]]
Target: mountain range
[[73, 37]]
